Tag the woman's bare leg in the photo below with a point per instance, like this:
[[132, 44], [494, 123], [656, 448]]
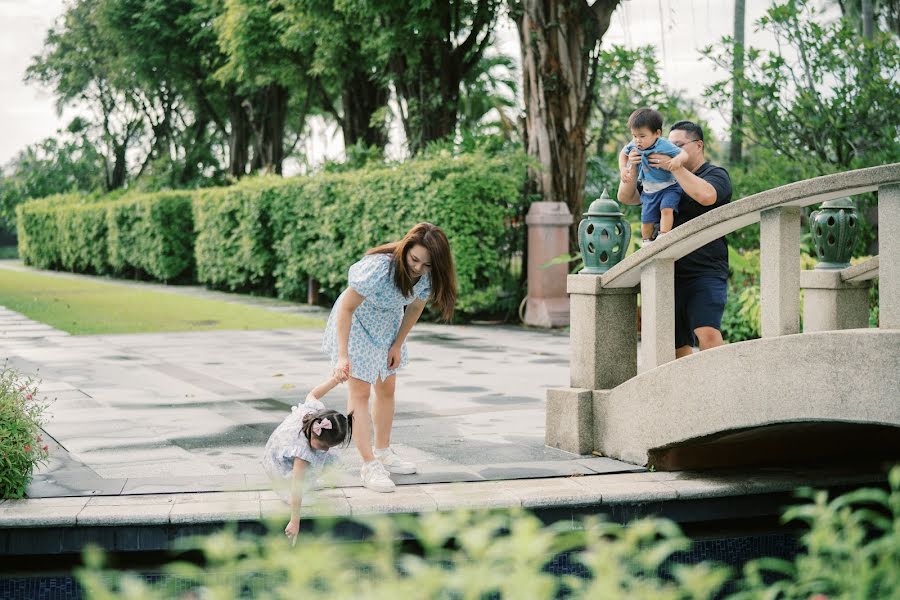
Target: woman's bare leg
[[358, 404], [383, 411]]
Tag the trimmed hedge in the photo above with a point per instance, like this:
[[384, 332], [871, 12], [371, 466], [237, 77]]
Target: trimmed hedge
[[269, 235], [149, 235]]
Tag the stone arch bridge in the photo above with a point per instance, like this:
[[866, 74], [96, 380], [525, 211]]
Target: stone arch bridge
[[829, 391]]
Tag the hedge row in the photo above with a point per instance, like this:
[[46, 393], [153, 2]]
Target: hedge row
[[270, 235], [148, 235]]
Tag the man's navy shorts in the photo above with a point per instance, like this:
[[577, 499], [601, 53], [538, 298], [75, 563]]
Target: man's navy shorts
[[699, 302]]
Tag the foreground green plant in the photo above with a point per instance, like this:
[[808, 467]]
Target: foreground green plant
[[851, 551], [21, 445]]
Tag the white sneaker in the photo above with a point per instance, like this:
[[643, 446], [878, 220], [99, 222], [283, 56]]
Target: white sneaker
[[375, 477], [393, 463], [646, 243]]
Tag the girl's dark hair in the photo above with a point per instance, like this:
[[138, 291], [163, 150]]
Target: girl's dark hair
[[341, 427], [443, 272]]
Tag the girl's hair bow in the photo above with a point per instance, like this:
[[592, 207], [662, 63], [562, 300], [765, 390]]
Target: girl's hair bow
[[322, 424]]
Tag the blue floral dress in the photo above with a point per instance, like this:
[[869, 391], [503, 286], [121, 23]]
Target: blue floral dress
[[376, 321], [286, 443]]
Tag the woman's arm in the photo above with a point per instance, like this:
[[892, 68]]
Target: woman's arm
[[293, 527], [349, 303], [412, 314]]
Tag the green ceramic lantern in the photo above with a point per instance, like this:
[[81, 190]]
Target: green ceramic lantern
[[603, 235], [834, 228]]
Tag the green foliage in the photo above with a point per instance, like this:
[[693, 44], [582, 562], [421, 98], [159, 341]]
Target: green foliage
[[67, 163], [151, 235], [268, 234], [462, 555], [850, 550], [807, 98], [743, 316], [39, 233], [143, 235], [234, 247], [742, 319], [21, 444]]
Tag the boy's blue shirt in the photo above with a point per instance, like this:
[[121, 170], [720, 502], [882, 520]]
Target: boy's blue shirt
[[648, 174]]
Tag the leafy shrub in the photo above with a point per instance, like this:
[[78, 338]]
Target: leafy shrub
[[21, 445], [270, 235], [274, 234], [151, 235], [40, 241], [144, 235], [851, 550]]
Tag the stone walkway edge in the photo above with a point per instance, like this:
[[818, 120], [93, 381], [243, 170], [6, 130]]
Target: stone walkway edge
[[585, 490]]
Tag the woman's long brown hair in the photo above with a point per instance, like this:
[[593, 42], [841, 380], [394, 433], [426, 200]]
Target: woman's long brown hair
[[443, 272]]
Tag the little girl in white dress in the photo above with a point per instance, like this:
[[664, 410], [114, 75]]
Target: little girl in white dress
[[301, 441]]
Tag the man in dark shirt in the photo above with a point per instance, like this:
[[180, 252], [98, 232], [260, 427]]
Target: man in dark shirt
[[701, 277]]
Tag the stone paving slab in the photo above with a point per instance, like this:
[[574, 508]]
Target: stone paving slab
[[595, 491]]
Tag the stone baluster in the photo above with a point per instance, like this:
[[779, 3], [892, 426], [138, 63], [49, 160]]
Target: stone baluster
[[889, 256], [779, 261], [657, 313]]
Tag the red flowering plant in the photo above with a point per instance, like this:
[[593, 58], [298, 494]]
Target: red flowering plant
[[22, 444]]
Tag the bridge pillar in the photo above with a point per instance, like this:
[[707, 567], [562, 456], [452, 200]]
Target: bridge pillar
[[657, 313], [604, 354], [889, 254], [830, 303], [779, 265]]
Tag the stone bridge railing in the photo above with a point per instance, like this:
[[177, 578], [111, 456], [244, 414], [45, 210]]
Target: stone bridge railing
[[603, 307]]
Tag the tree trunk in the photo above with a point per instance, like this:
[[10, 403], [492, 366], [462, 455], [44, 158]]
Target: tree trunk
[[361, 99], [120, 168], [431, 94], [868, 19], [275, 118], [266, 116], [238, 136], [560, 41], [735, 154]]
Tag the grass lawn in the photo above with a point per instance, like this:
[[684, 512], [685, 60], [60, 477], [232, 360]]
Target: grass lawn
[[84, 307]]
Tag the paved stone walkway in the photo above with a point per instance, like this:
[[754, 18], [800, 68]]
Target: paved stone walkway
[[190, 412]]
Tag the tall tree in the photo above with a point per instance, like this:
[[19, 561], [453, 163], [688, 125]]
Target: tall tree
[[333, 38], [261, 71], [428, 48], [80, 64], [560, 42], [737, 67], [872, 15], [67, 162]]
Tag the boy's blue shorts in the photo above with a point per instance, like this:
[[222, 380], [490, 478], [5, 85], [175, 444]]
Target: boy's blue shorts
[[699, 302], [653, 202]]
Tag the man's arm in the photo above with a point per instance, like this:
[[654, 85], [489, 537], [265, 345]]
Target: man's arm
[[628, 193], [695, 187]]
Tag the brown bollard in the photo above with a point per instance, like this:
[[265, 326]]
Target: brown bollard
[[548, 237]]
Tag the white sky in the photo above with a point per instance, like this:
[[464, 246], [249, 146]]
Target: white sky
[[27, 113]]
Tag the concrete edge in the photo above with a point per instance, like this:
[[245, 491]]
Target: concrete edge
[[557, 492]]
